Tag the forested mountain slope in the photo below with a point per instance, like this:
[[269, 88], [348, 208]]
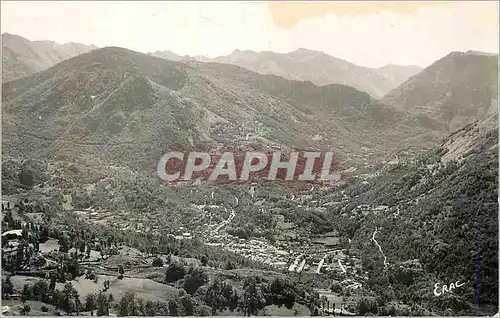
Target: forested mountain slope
[[443, 215]]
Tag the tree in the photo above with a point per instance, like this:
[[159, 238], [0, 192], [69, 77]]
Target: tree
[[7, 288], [26, 177], [204, 260], [194, 279], [36, 246], [150, 308], [229, 265], [81, 247], [53, 280], [221, 295], [127, 305], [336, 288], [102, 305], [90, 303], [25, 310], [187, 305], [90, 274], [78, 304], [8, 219], [162, 308], [157, 262], [230, 296], [88, 250], [204, 311], [140, 307], [27, 293], [25, 233], [20, 255], [213, 296], [41, 290], [121, 271], [281, 293], [174, 272], [72, 267], [366, 306], [111, 299], [173, 308], [69, 301], [106, 284], [64, 242], [44, 234], [253, 300]]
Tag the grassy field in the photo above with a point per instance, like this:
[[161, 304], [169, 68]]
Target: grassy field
[[142, 287], [13, 308], [50, 245], [18, 282], [282, 311]]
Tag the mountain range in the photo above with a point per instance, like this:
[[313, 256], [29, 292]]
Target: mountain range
[[417, 204], [316, 67], [127, 106], [443, 217], [21, 57], [123, 106], [455, 90]]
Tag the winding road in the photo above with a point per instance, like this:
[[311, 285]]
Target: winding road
[[229, 219], [341, 266], [379, 247]]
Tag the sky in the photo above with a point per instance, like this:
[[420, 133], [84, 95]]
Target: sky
[[370, 34]]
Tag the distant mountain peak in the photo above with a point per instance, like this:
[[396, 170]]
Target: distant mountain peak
[[319, 68], [389, 66], [115, 48], [243, 52], [131, 97], [452, 91], [11, 35], [169, 55], [304, 51], [22, 57], [470, 52], [50, 42], [480, 53], [301, 52]]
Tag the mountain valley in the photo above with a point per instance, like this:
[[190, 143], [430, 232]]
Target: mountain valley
[[88, 228]]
